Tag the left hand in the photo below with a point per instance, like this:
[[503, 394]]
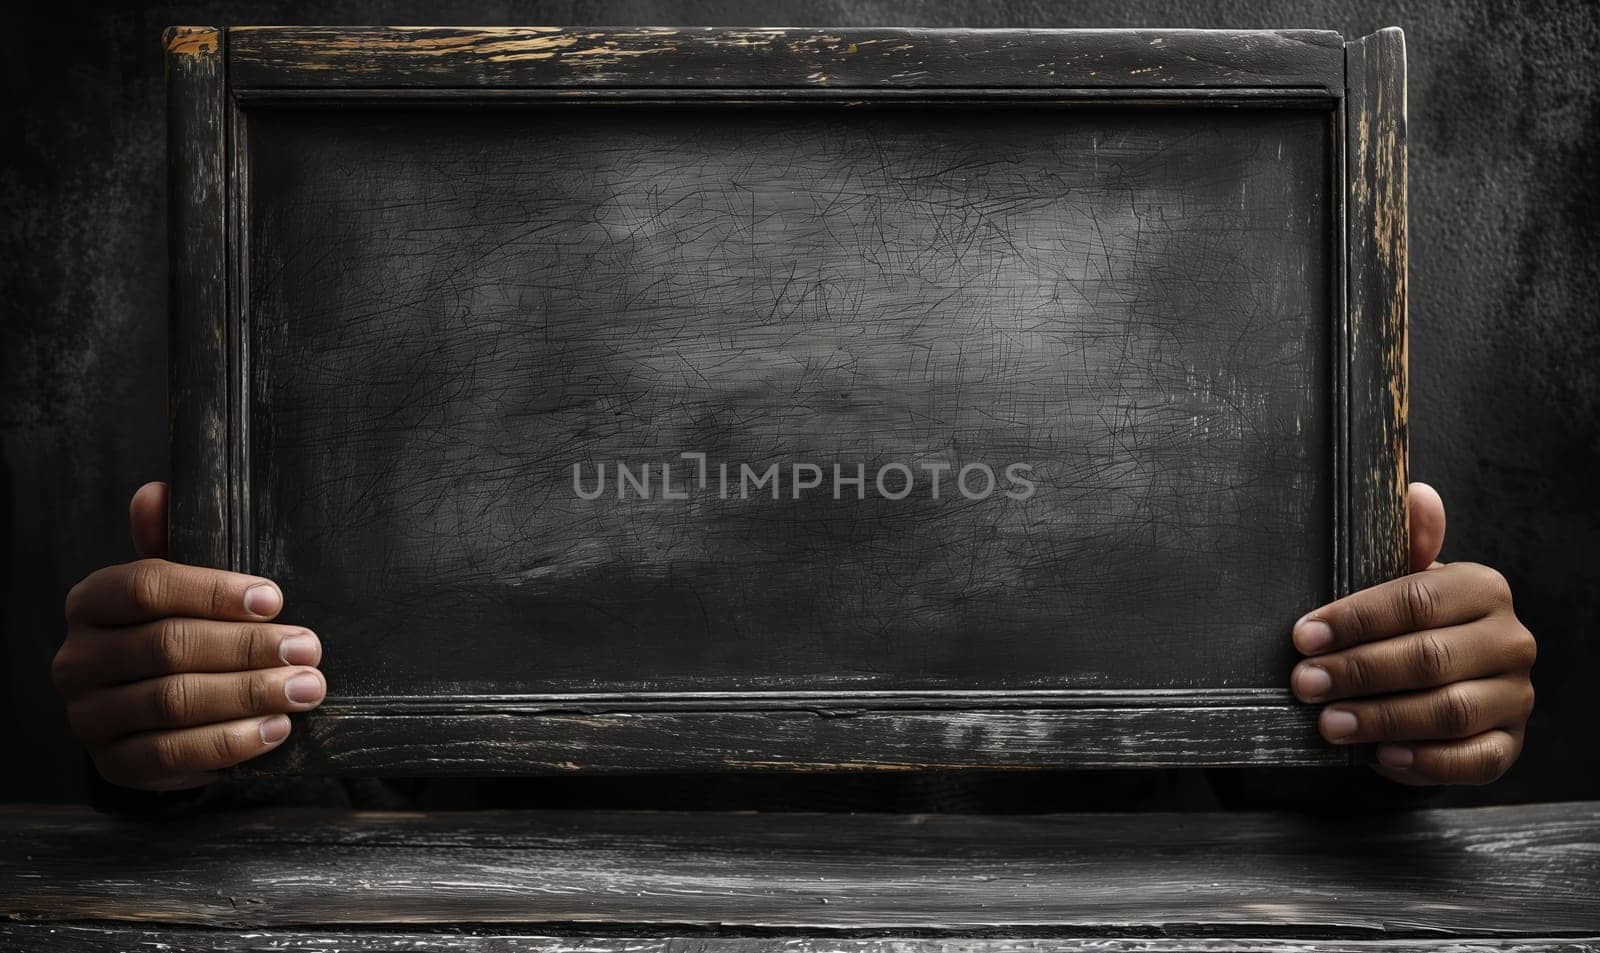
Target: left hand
[[1433, 667]]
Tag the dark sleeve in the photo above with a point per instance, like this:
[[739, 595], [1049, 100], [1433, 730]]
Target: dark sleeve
[[1353, 790]]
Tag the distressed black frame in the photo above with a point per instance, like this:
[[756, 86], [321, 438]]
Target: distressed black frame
[[215, 77]]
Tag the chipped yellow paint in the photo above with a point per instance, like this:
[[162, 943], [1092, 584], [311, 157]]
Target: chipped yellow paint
[[192, 40], [816, 39], [737, 38], [521, 57], [1389, 238], [1381, 188], [345, 50], [851, 48], [490, 43], [525, 47], [613, 51], [415, 31]]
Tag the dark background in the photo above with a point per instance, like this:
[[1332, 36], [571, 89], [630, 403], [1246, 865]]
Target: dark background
[[1505, 341]]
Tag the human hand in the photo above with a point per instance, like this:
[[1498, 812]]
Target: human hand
[[1433, 667], [173, 672]]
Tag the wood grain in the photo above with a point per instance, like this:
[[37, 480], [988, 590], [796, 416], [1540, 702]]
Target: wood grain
[[1379, 442], [199, 508], [74, 938], [1510, 873], [465, 736], [524, 57]]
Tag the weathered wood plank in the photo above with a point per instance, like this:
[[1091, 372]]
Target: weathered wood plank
[[198, 417], [1509, 872], [359, 738], [315, 57], [75, 938], [1375, 216]]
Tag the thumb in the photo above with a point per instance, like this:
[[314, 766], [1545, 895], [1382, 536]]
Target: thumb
[[147, 517], [1425, 515]]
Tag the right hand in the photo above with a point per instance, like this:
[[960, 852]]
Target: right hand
[[172, 673]]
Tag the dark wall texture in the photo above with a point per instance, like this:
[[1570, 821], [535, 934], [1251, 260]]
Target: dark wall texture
[[1505, 272]]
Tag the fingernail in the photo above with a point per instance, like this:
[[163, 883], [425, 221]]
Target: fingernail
[[303, 688], [1312, 635], [274, 729], [298, 650], [1338, 723], [262, 600], [1311, 682], [1396, 756]]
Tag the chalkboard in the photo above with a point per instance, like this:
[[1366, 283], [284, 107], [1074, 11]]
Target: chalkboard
[[659, 400]]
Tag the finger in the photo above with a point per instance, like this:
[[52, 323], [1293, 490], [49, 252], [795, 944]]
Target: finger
[[183, 701], [1476, 760], [147, 518], [151, 589], [157, 759], [1416, 660], [1425, 521], [95, 658], [1432, 599], [1454, 711]]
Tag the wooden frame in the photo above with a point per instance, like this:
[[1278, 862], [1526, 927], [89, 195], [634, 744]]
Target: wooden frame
[[217, 78]]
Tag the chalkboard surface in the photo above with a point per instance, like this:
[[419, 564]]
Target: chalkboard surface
[[629, 431], [1127, 311]]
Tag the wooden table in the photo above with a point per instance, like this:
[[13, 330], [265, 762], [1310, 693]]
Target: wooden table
[[1487, 878]]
